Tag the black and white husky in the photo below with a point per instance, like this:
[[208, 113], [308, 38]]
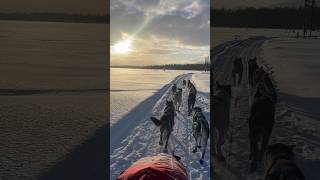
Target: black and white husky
[[177, 99], [191, 97], [221, 116], [279, 163], [200, 131], [165, 123]]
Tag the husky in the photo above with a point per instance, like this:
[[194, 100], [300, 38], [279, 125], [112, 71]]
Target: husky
[[165, 123], [174, 88], [237, 70], [177, 99], [261, 122], [184, 83], [221, 114], [279, 163], [263, 83], [253, 67], [191, 97], [200, 131]]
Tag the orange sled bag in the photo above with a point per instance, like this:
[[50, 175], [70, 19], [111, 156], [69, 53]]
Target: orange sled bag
[[160, 167]]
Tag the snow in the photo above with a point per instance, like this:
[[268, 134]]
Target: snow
[[134, 136], [296, 67], [295, 64], [129, 87]]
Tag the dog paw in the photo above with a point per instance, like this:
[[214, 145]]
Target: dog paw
[[165, 151], [201, 161]]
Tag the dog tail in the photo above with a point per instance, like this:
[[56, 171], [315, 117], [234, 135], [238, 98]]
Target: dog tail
[[155, 121]]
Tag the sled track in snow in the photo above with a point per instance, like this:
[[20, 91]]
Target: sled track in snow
[[135, 136], [288, 128], [237, 153]]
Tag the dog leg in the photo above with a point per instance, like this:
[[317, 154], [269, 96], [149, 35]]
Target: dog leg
[[240, 78], [195, 147], [264, 144], [203, 151], [199, 141], [219, 144], [167, 140], [254, 154], [160, 142]]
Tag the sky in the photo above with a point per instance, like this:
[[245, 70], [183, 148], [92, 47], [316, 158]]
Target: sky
[[61, 6], [149, 32]]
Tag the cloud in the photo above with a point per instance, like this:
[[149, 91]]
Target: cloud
[[163, 30]]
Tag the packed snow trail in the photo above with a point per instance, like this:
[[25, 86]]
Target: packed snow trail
[[236, 166], [135, 136], [289, 128]]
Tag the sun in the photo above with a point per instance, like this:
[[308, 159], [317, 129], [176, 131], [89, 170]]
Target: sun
[[122, 47]]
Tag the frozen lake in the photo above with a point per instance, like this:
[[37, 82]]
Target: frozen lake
[[129, 87]]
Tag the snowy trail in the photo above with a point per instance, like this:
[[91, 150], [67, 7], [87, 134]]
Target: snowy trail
[[237, 162], [291, 126], [135, 136]]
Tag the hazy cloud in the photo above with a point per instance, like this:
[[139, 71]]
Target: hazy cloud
[[163, 30]]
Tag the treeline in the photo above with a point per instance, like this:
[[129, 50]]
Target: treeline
[[56, 17], [281, 17], [196, 67]]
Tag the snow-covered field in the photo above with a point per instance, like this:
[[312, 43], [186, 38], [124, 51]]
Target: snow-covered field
[[53, 100], [129, 87], [134, 136], [295, 63], [296, 69]]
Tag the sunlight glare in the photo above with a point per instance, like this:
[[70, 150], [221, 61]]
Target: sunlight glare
[[122, 47]]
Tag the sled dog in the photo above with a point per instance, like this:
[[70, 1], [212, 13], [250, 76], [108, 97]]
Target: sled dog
[[174, 88], [184, 83], [221, 113], [261, 122], [253, 67], [200, 131], [177, 99], [165, 123], [237, 70], [191, 97], [264, 84]]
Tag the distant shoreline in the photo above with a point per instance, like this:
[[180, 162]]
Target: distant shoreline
[[56, 17], [190, 67]]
